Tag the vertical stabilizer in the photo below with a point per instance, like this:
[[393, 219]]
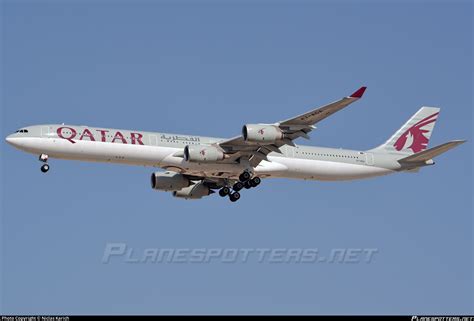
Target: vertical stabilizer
[[414, 135]]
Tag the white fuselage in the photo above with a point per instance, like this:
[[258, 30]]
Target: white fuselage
[[165, 151]]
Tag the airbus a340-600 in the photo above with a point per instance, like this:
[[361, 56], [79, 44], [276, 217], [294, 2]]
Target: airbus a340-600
[[195, 166]]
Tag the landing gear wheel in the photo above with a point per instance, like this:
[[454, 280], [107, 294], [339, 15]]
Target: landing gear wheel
[[238, 186], [45, 168], [245, 176], [248, 184], [223, 192], [256, 181], [234, 197]]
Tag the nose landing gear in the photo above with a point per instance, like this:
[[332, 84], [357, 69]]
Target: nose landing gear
[[45, 167]]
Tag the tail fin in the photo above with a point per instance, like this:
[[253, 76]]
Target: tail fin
[[414, 135]]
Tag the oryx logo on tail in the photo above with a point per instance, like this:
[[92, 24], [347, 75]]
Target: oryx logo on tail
[[416, 137]]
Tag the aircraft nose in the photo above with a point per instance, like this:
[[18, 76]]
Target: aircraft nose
[[10, 139]]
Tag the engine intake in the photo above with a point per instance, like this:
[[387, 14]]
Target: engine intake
[[261, 133], [195, 191], [203, 154], [169, 181]]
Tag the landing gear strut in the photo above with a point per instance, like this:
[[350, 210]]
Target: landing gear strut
[[44, 158]]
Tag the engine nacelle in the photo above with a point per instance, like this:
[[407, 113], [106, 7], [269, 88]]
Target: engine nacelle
[[169, 181], [194, 192], [261, 133], [203, 154]]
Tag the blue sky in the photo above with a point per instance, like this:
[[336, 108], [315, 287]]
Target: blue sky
[[207, 68]]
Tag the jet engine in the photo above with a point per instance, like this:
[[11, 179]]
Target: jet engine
[[261, 133], [203, 154], [169, 181], [195, 191]]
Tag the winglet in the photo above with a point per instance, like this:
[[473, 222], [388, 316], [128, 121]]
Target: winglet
[[359, 92]]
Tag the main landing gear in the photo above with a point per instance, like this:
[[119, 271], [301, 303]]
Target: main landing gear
[[245, 181], [45, 167], [226, 191], [245, 176]]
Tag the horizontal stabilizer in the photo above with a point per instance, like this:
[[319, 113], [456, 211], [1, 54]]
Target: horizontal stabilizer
[[428, 154]]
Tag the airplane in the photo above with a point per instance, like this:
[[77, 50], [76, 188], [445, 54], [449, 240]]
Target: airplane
[[195, 166]]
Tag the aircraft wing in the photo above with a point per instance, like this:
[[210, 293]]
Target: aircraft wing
[[290, 129]]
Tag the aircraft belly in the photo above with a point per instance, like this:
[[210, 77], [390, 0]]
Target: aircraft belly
[[272, 168], [328, 171], [98, 151]]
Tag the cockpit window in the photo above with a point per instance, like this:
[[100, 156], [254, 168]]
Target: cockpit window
[[22, 131]]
